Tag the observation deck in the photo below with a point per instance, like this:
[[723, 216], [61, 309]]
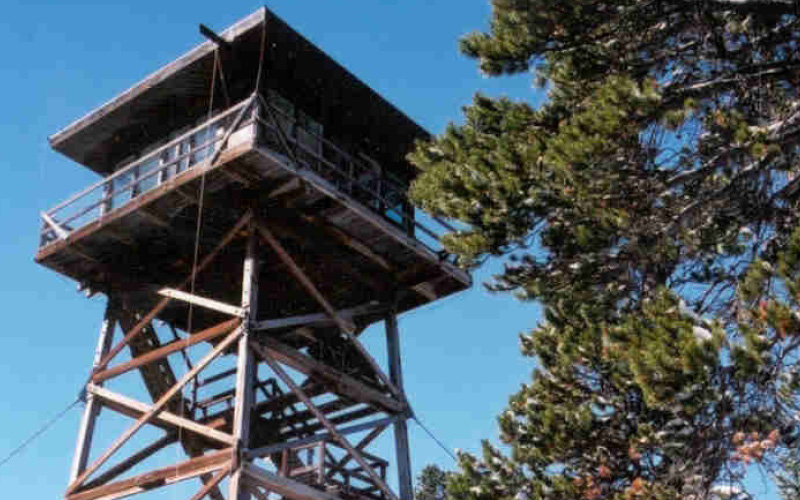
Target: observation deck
[[309, 148]]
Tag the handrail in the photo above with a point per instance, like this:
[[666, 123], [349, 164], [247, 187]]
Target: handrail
[[385, 196], [138, 161]]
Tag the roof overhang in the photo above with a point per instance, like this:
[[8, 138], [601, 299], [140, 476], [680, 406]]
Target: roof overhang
[[180, 93]]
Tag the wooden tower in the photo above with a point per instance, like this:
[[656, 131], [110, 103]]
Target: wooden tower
[[251, 221]]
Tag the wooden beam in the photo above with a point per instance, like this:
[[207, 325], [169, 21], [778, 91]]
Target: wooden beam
[[136, 407], [167, 349], [245, 365], [162, 304], [326, 436], [318, 319], [377, 480], [343, 384], [360, 447], [158, 221], [210, 485], [167, 475], [214, 305], [60, 231], [288, 488], [92, 409], [404, 478], [368, 215], [347, 327], [209, 33], [133, 460], [156, 409]]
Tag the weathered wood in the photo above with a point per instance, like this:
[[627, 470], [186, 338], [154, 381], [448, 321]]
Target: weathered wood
[[365, 441], [404, 477], [136, 407], [318, 319], [279, 371], [210, 485], [162, 304], [60, 231], [343, 384], [214, 305], [368, 215], [288, 488], [167, 349], [327, 436], [211, 35], [245, 364], [156, 409], [236, 121], [167, 475], [92, 409], [133, 460], [347, 327]]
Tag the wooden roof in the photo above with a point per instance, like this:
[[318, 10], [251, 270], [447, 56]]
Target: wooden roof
[[178, 95]]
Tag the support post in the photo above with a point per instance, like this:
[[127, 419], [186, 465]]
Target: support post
[[92, 408], [245, 367], [404, 478]]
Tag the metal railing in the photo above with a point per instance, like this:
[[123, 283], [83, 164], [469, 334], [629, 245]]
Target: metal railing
[[282, 134]]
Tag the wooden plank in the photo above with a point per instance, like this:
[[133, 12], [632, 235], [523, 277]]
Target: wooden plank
[[368, 215], [210, 485], [284, 486], [344, 418], [377, 480], [133, 460], [326, 436], [140, 408], [318, 319], [162, 304], [343, 384], [347, 327], [167, 475], [369, 438], [156, 409], [197, 300], [167, 349]]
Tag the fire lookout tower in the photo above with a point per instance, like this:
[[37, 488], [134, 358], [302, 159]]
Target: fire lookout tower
[[250, 223]]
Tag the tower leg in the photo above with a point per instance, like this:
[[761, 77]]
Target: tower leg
[[92, 407], [400, 426], [245, 367]]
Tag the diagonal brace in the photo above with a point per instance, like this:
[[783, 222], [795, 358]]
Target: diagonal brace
[[346, 326], [162, 304], [156, 409], [281, 373]]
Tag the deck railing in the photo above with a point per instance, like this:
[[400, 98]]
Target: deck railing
[[282, 134], [191, 150]]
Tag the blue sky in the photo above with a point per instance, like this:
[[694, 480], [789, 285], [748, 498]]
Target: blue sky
[[60, 61]]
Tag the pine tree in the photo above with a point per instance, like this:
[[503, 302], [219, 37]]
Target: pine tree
[[431, 484], [650, 204]]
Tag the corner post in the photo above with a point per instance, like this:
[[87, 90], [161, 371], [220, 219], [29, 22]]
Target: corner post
[[245, 368], [400, 426], [92, 408]]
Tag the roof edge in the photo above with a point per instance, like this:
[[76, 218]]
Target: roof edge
[[229, 34]]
